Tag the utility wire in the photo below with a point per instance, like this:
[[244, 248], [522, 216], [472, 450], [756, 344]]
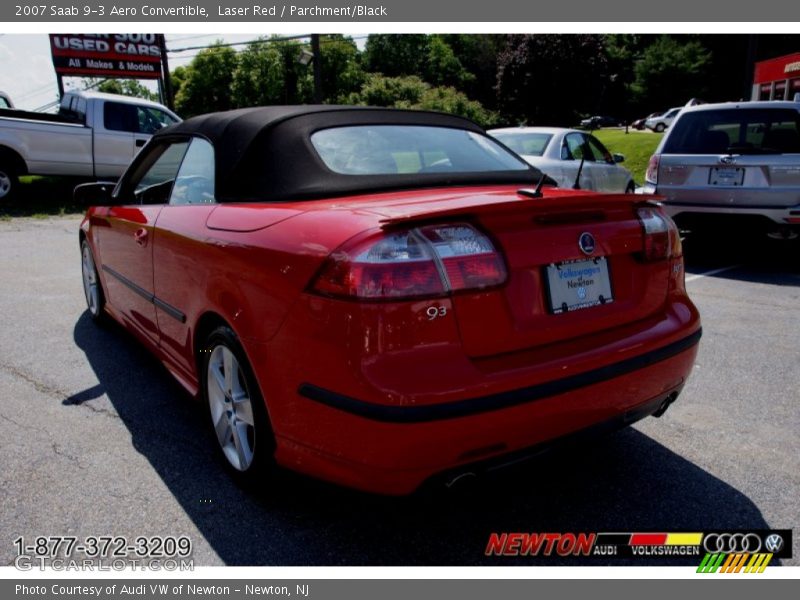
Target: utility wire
[[230, 44], [260, 41]]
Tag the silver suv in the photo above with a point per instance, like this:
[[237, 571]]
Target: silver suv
[[737, 160]]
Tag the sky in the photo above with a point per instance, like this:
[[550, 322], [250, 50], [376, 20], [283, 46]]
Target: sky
[[26, 68]]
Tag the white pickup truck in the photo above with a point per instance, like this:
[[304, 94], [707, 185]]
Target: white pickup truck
[[94, 135]]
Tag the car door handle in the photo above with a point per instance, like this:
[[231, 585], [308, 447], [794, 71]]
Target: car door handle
[[140, 143], [140, 236]]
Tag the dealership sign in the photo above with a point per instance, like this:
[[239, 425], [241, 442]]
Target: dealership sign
[[130, 55]]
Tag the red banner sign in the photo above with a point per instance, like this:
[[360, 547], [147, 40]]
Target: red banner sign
[[128, 55]]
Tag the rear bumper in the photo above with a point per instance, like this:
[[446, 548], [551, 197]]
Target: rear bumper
[[778, 215], [780, 207], [393, 450], [654, 407], [493, 402]]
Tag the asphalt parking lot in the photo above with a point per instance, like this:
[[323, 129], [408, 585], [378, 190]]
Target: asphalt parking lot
[[96, 438]]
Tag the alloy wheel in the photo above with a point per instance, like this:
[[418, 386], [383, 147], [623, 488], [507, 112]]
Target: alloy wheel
[[231, 408], [90, 282]]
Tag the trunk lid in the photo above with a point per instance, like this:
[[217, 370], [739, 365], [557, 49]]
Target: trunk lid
[[536, 236]]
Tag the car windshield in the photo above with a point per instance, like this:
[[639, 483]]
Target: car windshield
[[739, 131], [398, 149], [527, 143]]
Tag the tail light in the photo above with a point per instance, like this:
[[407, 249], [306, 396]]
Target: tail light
[[433, 260], [651, 175], [661, 237]]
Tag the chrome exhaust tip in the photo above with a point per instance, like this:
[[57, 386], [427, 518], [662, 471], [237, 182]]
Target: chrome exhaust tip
[[784, 233], [665, 404], [461, 480]]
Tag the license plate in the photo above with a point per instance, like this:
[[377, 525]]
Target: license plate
[[731, 176], [577, 284]]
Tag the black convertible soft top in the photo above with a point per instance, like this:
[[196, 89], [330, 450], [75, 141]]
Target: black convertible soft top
[[265, 153]]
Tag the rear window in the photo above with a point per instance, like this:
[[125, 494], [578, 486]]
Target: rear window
[[739, 131], [403, 149], [530, 144]]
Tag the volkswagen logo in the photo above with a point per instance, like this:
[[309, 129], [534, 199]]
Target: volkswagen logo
[[774, 543], [732, 542], [586, 243], [727, 159]]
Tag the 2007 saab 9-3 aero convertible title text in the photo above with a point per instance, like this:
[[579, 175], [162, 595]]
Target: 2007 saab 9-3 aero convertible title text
[[377, 297]]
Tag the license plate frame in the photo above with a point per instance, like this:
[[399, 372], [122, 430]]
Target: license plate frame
[[578, 284], [726, 176]]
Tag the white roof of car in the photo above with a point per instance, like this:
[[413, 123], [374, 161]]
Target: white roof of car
[[548, 130], [744, 104], [116, 98]]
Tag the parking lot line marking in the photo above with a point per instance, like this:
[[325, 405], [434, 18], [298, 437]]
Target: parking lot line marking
[[711, 272]]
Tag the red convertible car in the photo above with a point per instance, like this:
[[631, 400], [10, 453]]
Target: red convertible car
[[379, 297]]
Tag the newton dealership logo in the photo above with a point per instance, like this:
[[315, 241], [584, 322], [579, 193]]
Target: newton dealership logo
[[715, 551]]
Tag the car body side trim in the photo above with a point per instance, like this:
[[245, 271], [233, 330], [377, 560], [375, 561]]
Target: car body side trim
[[471, 406], [167, 308]]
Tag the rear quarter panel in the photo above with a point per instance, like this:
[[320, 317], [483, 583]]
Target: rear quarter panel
[[248, 278]]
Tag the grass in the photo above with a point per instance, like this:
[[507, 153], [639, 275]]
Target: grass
[[42, 197], [637, 146]]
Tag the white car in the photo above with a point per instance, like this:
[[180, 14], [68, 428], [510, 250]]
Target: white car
[[558, 152], [660, 122]]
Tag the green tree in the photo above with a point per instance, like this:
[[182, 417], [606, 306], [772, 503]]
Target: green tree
[[441, 66], [478, 53], [206, 86], [342, 74], [623, 51], [396, 55], [450, 100], [259, 78], [126, 87], [379, 90], [551, 79], [670, 72], [429, 57], [177, 77], [413, 93]]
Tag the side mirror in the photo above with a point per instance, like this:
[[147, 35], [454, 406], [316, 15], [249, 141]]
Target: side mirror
[[94, 194], [618, 158]]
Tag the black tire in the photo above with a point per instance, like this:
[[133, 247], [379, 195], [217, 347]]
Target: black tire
[[95, 304], [660, 127], [631, 189], [249, 454], [9, 181]]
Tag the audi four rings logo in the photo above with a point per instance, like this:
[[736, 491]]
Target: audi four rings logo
[[732, 542]]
